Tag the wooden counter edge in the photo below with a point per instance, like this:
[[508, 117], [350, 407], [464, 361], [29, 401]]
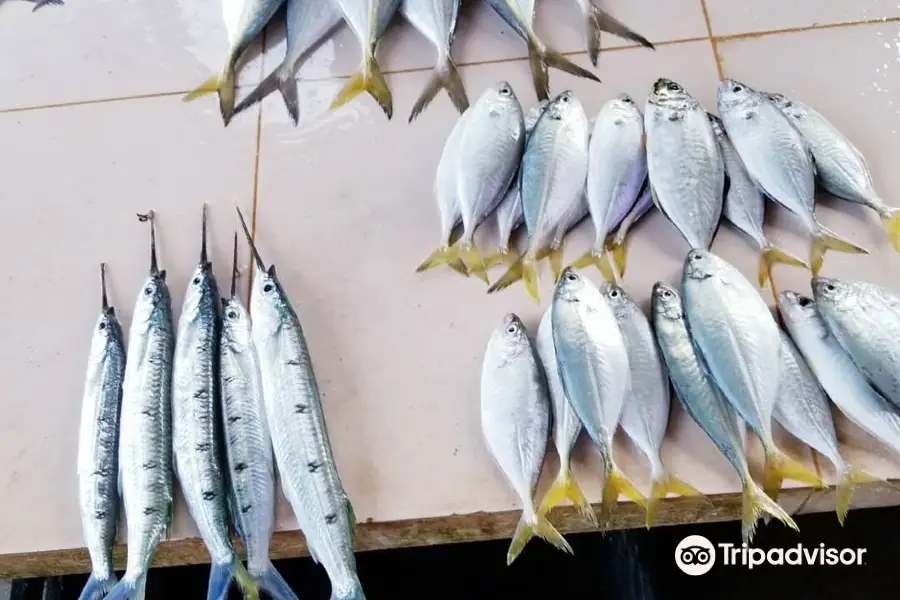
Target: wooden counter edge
[[453, 529]]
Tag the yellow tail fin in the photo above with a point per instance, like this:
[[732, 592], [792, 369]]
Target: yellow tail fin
[[224, 85], [668, 484], [367, 79], [772, 255], [618, 484], [566, 488], [525, 268], [526, 530], [597, 259], [468, 253], [779, 467], [497, 257], [844, 491], [892, 225], [249, 586], [210, 86], [825, 240], [556, 262], [618, 251], [755, 503], [444, 256]]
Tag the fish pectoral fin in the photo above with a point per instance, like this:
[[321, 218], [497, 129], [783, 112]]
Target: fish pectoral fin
[[367, 79], [527, 529]]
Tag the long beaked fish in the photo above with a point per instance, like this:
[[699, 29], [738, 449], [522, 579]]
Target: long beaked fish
[[598, 20], [745, 208], [779, 161], [594, 370], [705, 403], [248, 448], [298, 431], [617, 247], [98, 446], [145, 427], [566, 428], [368, 19], [519, 14], [436, 21], [244, 20], [645, 411], [841, 167], [308, 24], [515, 421]]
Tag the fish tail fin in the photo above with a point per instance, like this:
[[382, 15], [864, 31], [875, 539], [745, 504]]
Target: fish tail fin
[[565, 487], [370, 80], [599, 20], [444, 256], [755, 503], [276, 80], [224, 85], [891, 221], [497, 257], [619, 252], [249, 586], [662, 487], [850, 477], [129, 588], [530, 276], [538, 69], [825, 240], [617, 484], [445, 76], [597, 259], [470, 257], [97, 588], [779, 467], [513, 274], [556, 262], [354, 593], [771, 255], [530, 526], [273, 584]]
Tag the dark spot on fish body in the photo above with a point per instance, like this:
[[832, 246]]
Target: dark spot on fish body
[[102, 472], [750, 115], [149, 465], [246, 508], [149, 510], [314, 466], [201, 394], [147, 412], [229, 379], [203, 447], [618, 121], [674, 116], [240, 467], [293, 362], [301, 409], [209, 495], [100, 514], [234, 418], [331, 519]]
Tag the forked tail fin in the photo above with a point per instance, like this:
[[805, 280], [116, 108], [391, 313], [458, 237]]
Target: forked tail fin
[[662, 487], [445, 76], [754, 504], [566, 488], [824, 240], [541, 58], [535, 526], [370, 80]]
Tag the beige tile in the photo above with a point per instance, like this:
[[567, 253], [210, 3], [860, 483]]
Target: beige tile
[[728, 17], [72, 209], [110, 49]]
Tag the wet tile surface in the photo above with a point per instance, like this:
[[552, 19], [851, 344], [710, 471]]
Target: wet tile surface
[[728, 18]]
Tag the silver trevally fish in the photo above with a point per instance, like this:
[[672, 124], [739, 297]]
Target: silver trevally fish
[[593, 368], [706, 405], [368, 19], [616, 173], [745, 207], [308, 24], [865, 320], [645, 412], [244, 20], [436, 20], [566, 428], [298, 431], [145, 438], [641, 206], [738, 339], [248, 448], [684, 162], [551, 183], [840, 167], [778, 159], [98, 447], [598, 20], [519, 14], [515, 421]]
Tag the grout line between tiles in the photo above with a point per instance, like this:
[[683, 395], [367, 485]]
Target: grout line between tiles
[[824, 27], [720, 71]]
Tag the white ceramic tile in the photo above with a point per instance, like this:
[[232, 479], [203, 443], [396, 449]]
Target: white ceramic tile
[[71, 209], [728, 17], [111, 48]]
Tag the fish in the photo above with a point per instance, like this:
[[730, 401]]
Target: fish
[[145, 426], [98, 446], [778, 159], [515, 422], [645, 411], [302, 449], [842, 169], [594, 370], [745, 208], [436, 21], [244, 20], [308, 24], [617, 247], [707, 406], [803, 409], [41, 3], [865, 320], [566, 428], [519, 15], [598, 20], [616, 173], [368, 19], [552, 177], [684, 163], [490, 148], [248, 448], [737, 337]]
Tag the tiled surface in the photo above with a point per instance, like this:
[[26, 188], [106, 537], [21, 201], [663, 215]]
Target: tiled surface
[[345, 210]]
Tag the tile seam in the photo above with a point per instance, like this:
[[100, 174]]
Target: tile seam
[[720, 71]]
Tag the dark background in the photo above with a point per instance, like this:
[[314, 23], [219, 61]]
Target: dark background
[[625, 565]]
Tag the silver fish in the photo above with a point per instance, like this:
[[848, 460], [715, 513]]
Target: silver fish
[[145, 438], [302, 449], [687, 173], [706, 404], [841, 167], [641, 206], [436, 20], [98, 447], [598, 20], [368, 19], [248, 448], [594, 370], [745, 207], [551, 182], [778, 159], [244, 20], [308, 24], [616, 173], [738, 339], [515, 421], [865, 320]]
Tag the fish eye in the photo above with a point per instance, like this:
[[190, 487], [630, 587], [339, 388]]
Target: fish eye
[[148, 290], [614, 293], [102, 326], [737, 89], [829, 287], [504, 91], [627, 100], [196, 281], [572, 277], [232, 314], [268, 287], [667, 294], [673, 87], [512, 329], [804, 302]]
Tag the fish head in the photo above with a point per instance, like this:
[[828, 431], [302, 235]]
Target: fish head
[[717, 126], [107, 330], [268, 303], [152, 298], [666, 302], [236, 324], [625, 109], [735, 95], [703, 264], [573, 287], [617, 299], [510, 339], [835, 294], [201, 289], [797, 310], [668, 93], [565, 107], [501, 99]]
